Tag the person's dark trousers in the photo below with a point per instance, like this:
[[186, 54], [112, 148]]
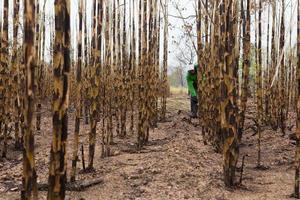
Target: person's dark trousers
[[194, 106]]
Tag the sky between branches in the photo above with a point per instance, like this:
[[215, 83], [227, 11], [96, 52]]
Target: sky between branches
[[185, 8]]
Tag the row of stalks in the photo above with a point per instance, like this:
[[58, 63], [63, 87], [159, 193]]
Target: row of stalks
[[113, 77], [246, 60]]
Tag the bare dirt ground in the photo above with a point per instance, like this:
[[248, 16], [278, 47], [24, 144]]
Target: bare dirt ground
[[174, 165]]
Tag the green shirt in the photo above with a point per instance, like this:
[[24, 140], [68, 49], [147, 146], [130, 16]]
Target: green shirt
[[192, 82]]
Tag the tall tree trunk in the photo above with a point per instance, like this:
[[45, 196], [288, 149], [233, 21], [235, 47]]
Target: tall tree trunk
[[123, 88], [133, 68], [297, 160], [229, 91], [61, 69], [4, 75], [16, 72], [200, 70], [39, 66], [107, 99], [78, 97], [142, 75], [272, 71], [259, 85], [246, 65], [283, 71], [29, 179], [93, 93], [165, 63], [268, 75]]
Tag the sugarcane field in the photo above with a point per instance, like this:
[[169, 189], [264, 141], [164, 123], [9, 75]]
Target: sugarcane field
[[149, 99]]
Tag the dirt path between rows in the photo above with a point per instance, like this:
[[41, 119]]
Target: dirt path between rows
[[174, 165]]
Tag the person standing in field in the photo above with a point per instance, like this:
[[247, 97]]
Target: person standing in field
[[191, 79]]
